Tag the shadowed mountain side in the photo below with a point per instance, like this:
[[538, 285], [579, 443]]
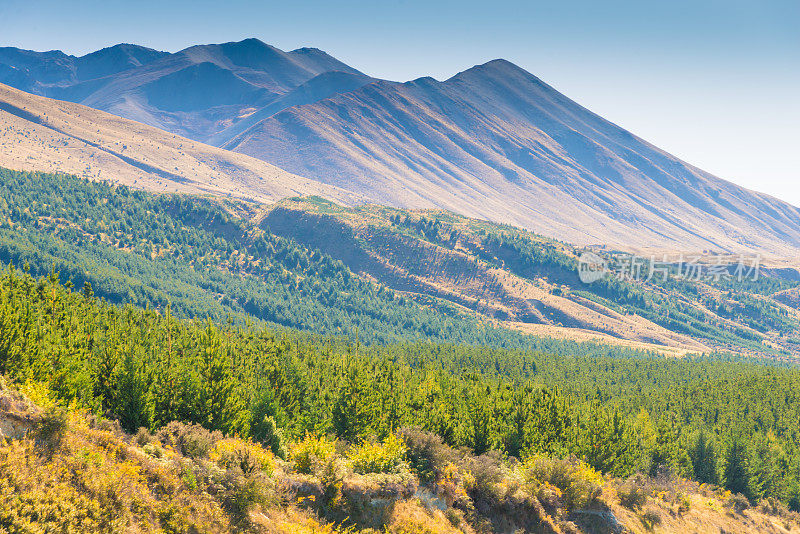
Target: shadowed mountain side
[[497, 143], [41, 134], [323, 86]]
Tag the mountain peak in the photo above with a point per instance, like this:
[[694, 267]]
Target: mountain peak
[[250, 42], [114, 59], [126, 48], [308, 50], [495, 67]]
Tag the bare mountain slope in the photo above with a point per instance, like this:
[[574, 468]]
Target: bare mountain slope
[[496, 142], [41, 134]]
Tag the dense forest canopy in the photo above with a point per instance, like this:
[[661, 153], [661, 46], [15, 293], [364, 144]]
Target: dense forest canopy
[[729, 422], [150, 250]]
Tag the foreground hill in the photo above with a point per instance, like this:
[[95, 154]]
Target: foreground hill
[[41, 134], [61, 470]]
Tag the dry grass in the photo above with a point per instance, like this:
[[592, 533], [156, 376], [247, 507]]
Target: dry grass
[[47, 135]]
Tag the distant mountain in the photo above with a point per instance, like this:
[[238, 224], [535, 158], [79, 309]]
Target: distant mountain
[[41, 134], [492, 142], [199, 91], [44, 70]]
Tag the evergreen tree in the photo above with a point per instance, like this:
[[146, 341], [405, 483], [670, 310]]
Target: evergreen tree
[[219, 406], [133, 405], [737, 468], [354, 412], [704, 459]]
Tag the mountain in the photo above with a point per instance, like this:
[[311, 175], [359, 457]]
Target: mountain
[[492, 142], [43, 70], [496, 142], [41, 134], [199, 91]]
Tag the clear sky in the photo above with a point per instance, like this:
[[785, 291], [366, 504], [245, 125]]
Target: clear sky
[[715, 82]]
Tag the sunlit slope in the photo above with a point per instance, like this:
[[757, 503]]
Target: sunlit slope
[[41, 134]]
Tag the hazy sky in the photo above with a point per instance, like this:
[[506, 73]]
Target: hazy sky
[[716, 83]]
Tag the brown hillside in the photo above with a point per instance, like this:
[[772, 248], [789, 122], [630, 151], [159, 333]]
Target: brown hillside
[[41, 134]]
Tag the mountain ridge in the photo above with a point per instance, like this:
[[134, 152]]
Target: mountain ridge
[[570, 159]]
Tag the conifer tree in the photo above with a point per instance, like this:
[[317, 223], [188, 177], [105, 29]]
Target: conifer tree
[[219, 406], [737, 468], [354, 412], [133, 405], [704, 459]]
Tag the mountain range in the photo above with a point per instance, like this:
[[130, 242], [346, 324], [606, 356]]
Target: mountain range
[[492, 142]]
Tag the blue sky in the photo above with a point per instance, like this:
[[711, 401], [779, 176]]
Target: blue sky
[[714, 82]]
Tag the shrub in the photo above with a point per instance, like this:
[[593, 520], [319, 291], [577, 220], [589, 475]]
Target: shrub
[[244, 493], [684, 504], [650, 518], [53, 426], [247, 457], [486, 472], [568, 527], [579, 483], [193, 441], [386, 457], [142, 437], [152, 449], [36, 393], [454, 516], [311, 453], [550, 496], [738, 503], [428, 454], [772, 506], [633, 493]]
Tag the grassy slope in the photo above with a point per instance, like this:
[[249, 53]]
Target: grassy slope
[[521, 280], [41, 134], [71, 470]]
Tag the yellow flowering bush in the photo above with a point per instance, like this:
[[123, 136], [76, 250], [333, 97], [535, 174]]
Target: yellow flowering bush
[[310, 452], [386, 457], [94, 482], [580, 484], [247, 456]]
